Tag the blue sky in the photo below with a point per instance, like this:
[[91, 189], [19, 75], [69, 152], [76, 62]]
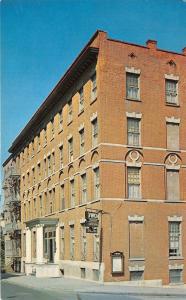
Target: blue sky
[[41, 38]]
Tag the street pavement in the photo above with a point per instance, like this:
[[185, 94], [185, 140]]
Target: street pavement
[[19, 287]]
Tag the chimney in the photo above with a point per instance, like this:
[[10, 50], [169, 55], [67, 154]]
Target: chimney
[[184, 51], [151, 44]]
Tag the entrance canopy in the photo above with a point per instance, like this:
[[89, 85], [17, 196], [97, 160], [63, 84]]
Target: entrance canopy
[[42, 221]]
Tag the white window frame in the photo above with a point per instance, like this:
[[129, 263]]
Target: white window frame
[[94, 87], [172, 94], [133, 133], [136, 75], [94, 132], [96, 173], [81, 99], [176, 239], [130, 184]]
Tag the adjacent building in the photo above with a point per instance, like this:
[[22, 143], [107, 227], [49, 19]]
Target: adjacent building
[[102, 166]]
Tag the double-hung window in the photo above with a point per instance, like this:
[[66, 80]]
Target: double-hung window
[[70, 149], [81, 100], [61, 119], [94, 132], [174, 238], [62, 196], [134, 182], [72, 242], [72, 193], [83, 188], [132, 86], [133, 131], [93, 87], [61, 156], [96, 183], [82, 140], [171, 91], [70, 111]]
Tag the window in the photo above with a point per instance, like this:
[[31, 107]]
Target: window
[[49, 166], [61, 157], [81, 100], [53, 162], [96, 246], [35, 208], [133, 177], [38, 143], [72, 242], [34, 246], [173, 136], [62, 242], [24, 245], [174, 239], [32, 147], [175, 276], [72, 193], [52, 128], [39, 171], [83, 188], [133, 134], [136, 275], [70, 111], [28, 153], [173, 185], [61, 119], [28, 178], [94, 132], [62, 197], [70, 149], [50, 202], [40, 205], [83, 242], [132, 85], [82, 141], [136, 239], [33, 176], [44, 136], [96, 183], [171, 93], [45, 168], [93, 87]]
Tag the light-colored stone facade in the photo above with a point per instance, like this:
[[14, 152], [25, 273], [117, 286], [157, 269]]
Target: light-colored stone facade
[[93, 131]]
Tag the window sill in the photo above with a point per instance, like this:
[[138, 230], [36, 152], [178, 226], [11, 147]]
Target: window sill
[[81, 156], [38, 150], [176, 258], [93, 100], [70, 208], [82, 204], [135, 147], [172, 104], [52, 138], [135, 100], [136, 200], [44, 145], [80, 112]]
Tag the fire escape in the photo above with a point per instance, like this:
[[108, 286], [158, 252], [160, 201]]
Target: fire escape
[[12, 215]]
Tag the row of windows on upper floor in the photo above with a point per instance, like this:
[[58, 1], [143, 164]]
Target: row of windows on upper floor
[[133, 88], [132, 93], [50, 128], [133, 139], [68, 194]]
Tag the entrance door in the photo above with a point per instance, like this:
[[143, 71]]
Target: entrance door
[[51, 250]]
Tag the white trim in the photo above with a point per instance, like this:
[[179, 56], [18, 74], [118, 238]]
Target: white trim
[[171, 77], [93, 116], [134, 164], [176, 267], [173, 120], [136, 218], [81, 127], [69, 137], [134, 115], [175, 218], [82, 220], [132, 70], [70, 223], [172, 167]]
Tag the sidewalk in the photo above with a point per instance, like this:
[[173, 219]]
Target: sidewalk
[[81, 286]]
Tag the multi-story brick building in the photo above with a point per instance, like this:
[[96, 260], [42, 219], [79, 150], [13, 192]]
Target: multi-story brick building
[[110, 138]]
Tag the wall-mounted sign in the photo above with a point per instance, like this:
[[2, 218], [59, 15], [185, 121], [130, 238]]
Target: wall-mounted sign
[[92, 221], [117, 262]]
